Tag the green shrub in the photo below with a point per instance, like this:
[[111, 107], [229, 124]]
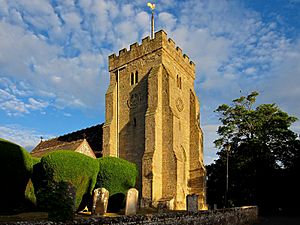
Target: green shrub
[[67, 166], [62, 199], [35, 160], [117, 176], [29, 191], [30, 197], [15, 171]]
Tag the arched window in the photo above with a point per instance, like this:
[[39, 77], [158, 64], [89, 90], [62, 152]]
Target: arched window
[[136, 77], [132, 79], [180, 83]]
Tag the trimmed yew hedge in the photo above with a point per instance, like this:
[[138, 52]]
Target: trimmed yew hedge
[[62, 202], [28, 181], [75, 168], [116, 175], [15, 171]]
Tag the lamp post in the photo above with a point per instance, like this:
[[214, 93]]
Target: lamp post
[[227, 148]]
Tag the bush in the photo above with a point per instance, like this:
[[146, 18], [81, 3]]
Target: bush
[[75, 168], [15, 171], [117, 176], [29, 191], [62, 202]]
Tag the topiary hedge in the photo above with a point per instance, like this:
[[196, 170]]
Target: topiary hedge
[[62, 202], [29, 181], [15, 171], [29, 191], [75, 168], [117, 176]]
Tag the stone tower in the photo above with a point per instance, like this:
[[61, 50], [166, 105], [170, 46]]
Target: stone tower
[[152, 120]]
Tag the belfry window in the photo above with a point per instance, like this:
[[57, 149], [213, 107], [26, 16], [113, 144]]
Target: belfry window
[[132, 79], [178, 82], [136, 77]]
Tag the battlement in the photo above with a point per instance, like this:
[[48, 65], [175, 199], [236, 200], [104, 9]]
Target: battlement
[[136, 50]]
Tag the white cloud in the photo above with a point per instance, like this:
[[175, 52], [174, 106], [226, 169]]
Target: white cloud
[[210, 134], [15, 100], [283, 86], [24, 137], [250, 70], [20, 50], [142, 20], [72, 20], [167, 20], [36, 104], [58, 53]]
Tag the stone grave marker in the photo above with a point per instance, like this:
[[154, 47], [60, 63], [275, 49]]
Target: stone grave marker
[[100, 201], [192, 203], [165, 204], [215, 206], [131, 201]]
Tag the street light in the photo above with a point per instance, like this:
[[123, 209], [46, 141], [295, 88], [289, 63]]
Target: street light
[[227, 147]]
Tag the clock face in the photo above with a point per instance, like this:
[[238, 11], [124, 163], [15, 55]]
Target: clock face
[[179, 104], [133, 101]]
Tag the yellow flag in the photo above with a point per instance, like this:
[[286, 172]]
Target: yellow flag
[[151, 5]]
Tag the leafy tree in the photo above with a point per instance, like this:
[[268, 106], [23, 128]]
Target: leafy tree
[[263, 149]]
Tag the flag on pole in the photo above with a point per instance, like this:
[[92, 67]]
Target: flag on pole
[[151, 5]]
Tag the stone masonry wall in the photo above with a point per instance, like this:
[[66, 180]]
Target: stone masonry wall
[[233, 216]]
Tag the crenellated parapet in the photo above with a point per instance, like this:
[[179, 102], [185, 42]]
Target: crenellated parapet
[[148, 46]]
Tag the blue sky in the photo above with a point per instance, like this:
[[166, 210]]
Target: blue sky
[[53, 58]]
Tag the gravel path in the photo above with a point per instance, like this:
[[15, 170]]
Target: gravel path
[[279, 220]]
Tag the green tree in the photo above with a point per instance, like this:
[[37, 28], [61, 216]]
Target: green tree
[[262, 149]]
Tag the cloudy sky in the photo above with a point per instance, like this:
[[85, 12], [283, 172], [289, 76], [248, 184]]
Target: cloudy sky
[[53, 58]]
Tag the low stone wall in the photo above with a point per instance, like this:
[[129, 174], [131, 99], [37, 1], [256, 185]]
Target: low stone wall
[[233, 216]]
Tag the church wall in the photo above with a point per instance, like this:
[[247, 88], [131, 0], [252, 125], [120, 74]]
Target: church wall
[[152, 159], [109, 127], [84, 148], [133, 104], [169, 160], [133, 100], [181, 80], [196, 182]]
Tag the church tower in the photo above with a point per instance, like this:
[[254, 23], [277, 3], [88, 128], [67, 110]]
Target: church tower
[[152, 120]]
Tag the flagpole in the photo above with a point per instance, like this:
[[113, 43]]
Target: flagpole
[[152, 25]]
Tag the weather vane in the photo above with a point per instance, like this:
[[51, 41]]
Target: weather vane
[[152, 7]]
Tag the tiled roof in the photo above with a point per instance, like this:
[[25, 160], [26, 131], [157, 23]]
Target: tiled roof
[[71, 141], [42, 149]]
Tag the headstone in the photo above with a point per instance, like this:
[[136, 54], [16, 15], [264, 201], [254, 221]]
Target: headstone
[[192, 203], [215, 206], [165, 204], [100, 201], [131, 201]]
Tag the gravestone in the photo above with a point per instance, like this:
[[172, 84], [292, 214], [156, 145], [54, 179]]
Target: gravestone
[[192, 203], [131, 201], [215, 206], [165, 204], [100, 201]]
